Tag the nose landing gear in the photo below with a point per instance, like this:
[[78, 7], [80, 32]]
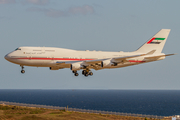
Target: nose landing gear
[[22, 71]]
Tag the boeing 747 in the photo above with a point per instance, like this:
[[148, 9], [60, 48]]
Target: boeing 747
[[59, 58]]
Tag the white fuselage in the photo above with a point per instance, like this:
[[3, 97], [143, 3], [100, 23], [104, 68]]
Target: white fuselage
[[48, 56], [59, 58]]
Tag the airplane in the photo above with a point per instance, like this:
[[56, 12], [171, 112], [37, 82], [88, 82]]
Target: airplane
[[59, 58]]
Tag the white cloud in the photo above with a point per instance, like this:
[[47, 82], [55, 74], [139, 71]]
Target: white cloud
[[7, 1], [84, 10], [36, 2], [55, 13], [35, 9]]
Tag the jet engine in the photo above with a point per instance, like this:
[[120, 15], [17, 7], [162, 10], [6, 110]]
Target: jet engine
[[106, 63], [54, 68], [75, 66]]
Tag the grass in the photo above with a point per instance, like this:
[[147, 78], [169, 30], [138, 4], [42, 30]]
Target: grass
[[8, 112]]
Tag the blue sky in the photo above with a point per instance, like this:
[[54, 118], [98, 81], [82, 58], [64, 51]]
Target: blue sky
[[106, 25]]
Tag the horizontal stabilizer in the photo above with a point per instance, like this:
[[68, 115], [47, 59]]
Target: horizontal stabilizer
[[158, 56]]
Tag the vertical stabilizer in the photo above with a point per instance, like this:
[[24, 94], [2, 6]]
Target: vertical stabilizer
[[156, 43]]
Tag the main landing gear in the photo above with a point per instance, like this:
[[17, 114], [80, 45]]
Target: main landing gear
[[22, 71], [87, 72], [75, 73]]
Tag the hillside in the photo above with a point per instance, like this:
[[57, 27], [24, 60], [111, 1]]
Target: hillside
[[8, 112]]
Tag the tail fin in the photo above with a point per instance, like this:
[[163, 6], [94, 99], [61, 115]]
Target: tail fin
[[156, 43]]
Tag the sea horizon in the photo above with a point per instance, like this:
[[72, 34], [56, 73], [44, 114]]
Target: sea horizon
[[149, 102]]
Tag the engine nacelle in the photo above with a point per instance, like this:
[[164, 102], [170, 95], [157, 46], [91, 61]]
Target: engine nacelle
[[54, 68], [106, 63], [75, 66]]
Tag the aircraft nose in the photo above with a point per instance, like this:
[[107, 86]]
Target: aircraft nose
[[7, 57]]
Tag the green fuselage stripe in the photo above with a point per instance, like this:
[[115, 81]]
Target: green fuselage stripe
[[159, 38]]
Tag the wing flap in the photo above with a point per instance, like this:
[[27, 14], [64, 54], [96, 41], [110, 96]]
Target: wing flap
[[94, 61]]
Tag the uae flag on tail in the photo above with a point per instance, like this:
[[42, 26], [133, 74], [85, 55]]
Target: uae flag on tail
[[155, 40]]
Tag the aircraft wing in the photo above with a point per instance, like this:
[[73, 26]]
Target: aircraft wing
[[98, 61], [124, 59], [96, 64]]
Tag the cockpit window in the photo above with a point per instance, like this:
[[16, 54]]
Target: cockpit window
[[17, 49]]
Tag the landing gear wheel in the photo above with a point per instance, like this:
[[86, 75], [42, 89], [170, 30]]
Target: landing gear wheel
[[83, 72], [86, 74], [90, 73], [22, 71], [76, 74]]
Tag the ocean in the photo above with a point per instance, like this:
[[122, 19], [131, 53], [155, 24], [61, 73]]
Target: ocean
[[150, 102]]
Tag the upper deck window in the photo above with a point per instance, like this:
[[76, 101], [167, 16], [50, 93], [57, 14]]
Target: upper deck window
[[50, 50], [37, 50], [17, 49]]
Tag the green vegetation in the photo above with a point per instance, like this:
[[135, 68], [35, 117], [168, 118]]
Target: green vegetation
[[8, 112]]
